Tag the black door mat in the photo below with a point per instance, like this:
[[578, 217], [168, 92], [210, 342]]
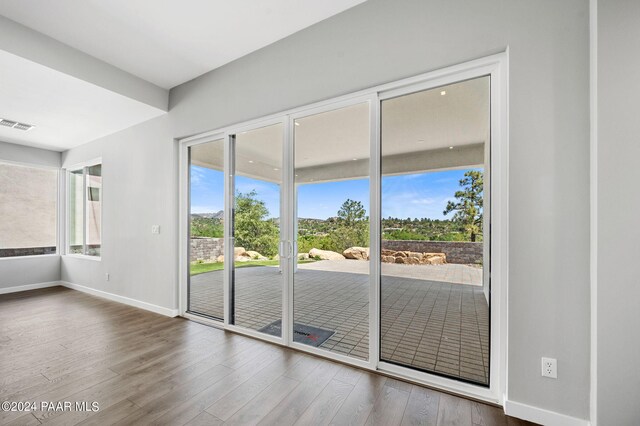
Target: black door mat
[[306, 334]]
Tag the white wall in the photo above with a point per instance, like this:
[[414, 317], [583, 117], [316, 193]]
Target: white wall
[[376, 42], [139, 189], [618, 295], [17, 271]]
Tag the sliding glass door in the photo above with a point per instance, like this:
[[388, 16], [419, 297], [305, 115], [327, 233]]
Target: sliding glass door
[[434, 310], [331, 280], [206, 229], [359, 229], [257, 279]]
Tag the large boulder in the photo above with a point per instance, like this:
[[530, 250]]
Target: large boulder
[[303, 256], [388, 259], [399, 254], [240, 251], [220, 258], [325, 254], [357, 253], [254, 255], [433, 258], [386, 252], [410, 260]]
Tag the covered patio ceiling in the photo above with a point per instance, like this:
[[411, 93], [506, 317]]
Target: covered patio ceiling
[[437, 129]]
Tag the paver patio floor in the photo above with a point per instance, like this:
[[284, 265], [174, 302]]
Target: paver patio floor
[[433, 317]]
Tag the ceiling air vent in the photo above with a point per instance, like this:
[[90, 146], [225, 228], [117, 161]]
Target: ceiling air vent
[[7, 123], [15, 125]]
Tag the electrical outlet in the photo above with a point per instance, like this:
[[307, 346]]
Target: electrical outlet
[[106, 276], [155, 229], [550, 368]]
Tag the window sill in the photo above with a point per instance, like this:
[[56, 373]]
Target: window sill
[[31, 256], [84, 256]]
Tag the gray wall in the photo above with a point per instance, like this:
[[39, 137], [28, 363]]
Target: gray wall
[[31, 270], [618, 298], [380, 41], [376, 42], [139, 171], [28, 155]]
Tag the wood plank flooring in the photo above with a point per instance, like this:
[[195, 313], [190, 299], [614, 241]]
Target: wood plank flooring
[[143, 368]]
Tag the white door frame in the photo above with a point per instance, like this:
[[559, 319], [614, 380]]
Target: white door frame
[[495, 66], [371, 100], [496, 152], [284, 249], [183, 222]]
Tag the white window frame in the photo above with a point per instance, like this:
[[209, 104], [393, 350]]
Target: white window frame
[[67, 215], [495, 66], [59, 211]]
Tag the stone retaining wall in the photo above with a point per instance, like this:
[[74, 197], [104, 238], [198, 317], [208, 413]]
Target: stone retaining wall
[[206, 249], [457, 252]]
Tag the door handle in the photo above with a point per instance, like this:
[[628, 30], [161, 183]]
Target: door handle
[[290, 250]]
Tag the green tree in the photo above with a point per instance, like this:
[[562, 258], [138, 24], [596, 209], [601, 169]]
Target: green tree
[[206, 227], [253, 229], [468, 206], [351, 212], [352, 227]]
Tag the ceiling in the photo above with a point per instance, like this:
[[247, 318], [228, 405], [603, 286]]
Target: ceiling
[[452, 121], [65, 110], [169, 42], [81, 70]]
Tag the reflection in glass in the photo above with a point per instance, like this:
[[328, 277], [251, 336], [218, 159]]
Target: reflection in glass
[[94, 209], [76, 212]]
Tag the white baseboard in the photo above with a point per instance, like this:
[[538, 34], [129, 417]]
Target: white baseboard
[[26, 287], [121, 299], [540, 415]]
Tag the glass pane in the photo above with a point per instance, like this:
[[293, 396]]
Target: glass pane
[[434, 295], [94, 202], [28, 198], [76, 212], [331, 280], [206, 229], [258, 278]]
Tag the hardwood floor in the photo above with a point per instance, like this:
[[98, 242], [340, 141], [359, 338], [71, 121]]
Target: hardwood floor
[[143, 368]]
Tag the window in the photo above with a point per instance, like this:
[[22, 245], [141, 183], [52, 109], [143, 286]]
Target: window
[[28, 205], [85, 207]]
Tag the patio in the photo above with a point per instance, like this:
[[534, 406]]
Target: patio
[[434, 317]]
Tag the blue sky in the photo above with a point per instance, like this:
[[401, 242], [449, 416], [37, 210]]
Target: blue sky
[[414, 195]]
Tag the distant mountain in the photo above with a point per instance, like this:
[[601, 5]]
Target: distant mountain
[[218, 215], [311, 219]]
